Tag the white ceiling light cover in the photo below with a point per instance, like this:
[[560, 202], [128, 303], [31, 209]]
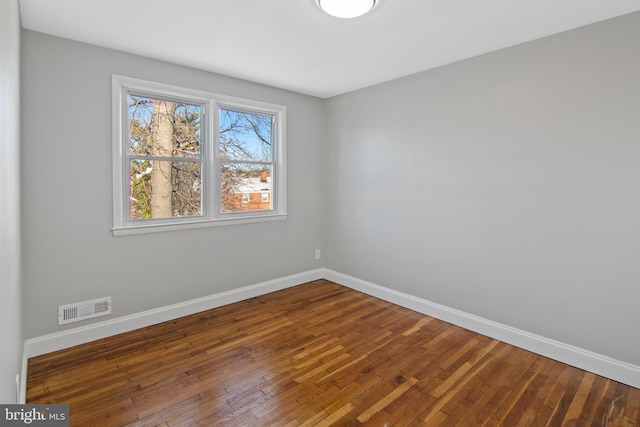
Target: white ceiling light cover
[[346, 8]]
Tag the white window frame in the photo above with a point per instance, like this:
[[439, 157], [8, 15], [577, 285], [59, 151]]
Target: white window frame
[[211, 188]]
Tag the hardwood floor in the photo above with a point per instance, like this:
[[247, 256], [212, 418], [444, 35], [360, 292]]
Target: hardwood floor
[[320, 354]]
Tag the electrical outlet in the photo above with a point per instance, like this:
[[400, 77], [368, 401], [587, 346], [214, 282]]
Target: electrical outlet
[[317, 254]]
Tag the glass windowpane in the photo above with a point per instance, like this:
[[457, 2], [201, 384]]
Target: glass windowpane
[[164, 128], [245, 136], [164, 189], [246, 187]]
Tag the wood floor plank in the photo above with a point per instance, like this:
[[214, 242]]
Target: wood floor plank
[[577, 406], [386, 400], [320, 354]]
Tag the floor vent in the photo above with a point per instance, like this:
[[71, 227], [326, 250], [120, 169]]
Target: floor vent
[[84, 310]]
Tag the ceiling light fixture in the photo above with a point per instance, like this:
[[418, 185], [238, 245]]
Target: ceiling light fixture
[[346, 8]]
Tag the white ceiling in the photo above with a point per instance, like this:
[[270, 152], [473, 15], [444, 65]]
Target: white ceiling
[[293, 45]]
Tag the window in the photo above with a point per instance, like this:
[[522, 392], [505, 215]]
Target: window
[[184, 158]]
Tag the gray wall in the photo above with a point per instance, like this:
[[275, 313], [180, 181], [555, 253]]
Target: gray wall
[[70, 253], [11, 314], [506, 186]]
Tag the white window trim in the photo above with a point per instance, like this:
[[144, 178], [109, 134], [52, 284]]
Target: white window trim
[[211, 173]]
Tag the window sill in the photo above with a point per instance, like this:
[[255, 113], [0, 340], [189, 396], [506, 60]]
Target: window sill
[[161, 228]]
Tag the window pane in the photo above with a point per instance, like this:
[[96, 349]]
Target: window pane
[[246, 187], [163, 189], [164, 128], [245, 136]]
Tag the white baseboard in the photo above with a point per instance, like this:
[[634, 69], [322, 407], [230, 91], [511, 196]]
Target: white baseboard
[[95, 331], [605, 366]]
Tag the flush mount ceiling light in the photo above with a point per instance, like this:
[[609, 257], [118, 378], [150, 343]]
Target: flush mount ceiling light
[[346, 8]]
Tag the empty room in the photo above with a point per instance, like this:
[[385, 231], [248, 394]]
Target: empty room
[[251, 213]]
